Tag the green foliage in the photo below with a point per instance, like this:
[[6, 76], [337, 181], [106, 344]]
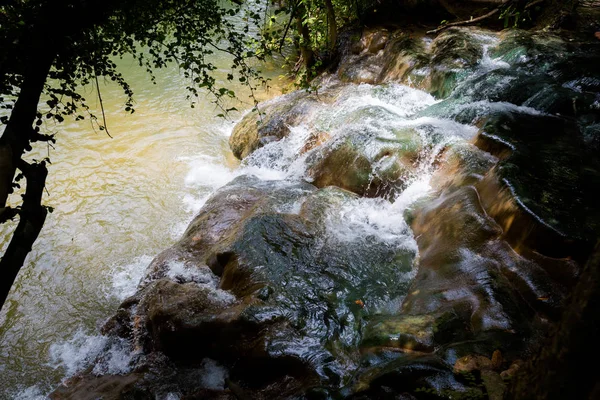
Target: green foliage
[[156, 33], [514, 16], [280, 34]]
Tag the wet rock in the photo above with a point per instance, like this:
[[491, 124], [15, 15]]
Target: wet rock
[[462, 164], [273, 118], [472, 363], [497, 360], [512, 370], [494, 385], [109, 387], [188, 321], [541, 193], [366, 164], [406, 58], [254, 130], [412, 333], [263, 286], [404, 375], [452, 52], [295, 290], [553, 75], [377, 41], [471, 280], [155, 376]]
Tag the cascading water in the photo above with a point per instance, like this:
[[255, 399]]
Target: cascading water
[[328, 270], [370, 114]]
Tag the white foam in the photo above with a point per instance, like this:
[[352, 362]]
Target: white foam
[[487, 64], [272, 161], [401, 100], [416, 190], [181, 272], [30, 393], [485, 107], [108, 355], [125, 278], [169, 396], [446, 128], [209, 173], [213, 374], [359, 219]]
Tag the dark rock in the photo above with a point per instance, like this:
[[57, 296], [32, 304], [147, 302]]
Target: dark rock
[[542, 194]]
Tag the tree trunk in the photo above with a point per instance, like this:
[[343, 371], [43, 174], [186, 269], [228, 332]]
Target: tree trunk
[[14, 142], [305, 51], [331, 25], [6, 176], [566, 366], [31, 220]]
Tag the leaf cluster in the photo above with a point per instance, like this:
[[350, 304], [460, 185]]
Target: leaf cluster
[[86, 37]]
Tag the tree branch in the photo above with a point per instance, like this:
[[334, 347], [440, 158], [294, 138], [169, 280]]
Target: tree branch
[[467, 22], [287, 27], [31, 219], [38, 137], [533, 3], [101, 106], [7, 213]]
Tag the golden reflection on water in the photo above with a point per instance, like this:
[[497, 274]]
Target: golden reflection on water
[[116, 202]]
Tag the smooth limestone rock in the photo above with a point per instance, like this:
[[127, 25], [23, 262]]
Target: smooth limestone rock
[[377, 57], [278, 305], [271, 121], [367, 164], [542, 193]]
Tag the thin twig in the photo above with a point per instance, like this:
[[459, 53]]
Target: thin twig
[[287, 27], [467, 22], [101, 105], [533, 3], [473, 20]]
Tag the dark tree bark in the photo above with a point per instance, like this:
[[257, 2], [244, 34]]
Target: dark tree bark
[[31, 220], [14, 142], [307, 54], [566, 366], [331, 25]]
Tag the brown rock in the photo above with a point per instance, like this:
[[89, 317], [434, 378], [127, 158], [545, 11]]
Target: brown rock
[[512, 370], [494, 385], [472, 363], [497, 360], [108, 387]]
